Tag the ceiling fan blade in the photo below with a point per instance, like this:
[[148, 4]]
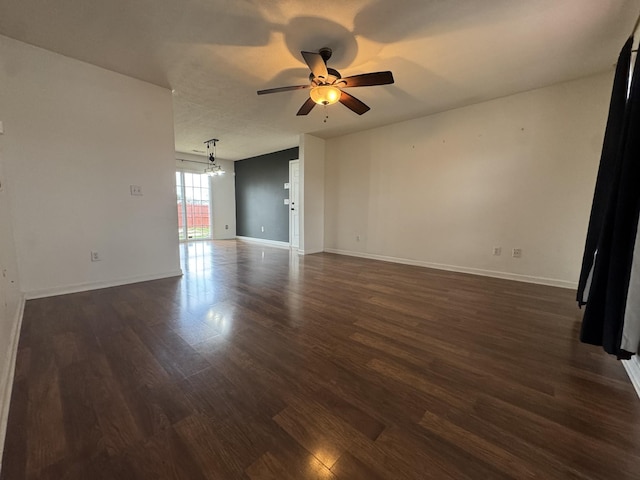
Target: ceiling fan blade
[[353, 104], [316, 64], [368, 79], [306, 107], [282, 89]]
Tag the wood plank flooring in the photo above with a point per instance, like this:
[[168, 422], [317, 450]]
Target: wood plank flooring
[[259, 364]]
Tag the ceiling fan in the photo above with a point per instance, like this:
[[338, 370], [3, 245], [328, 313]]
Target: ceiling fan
[[327, 84]]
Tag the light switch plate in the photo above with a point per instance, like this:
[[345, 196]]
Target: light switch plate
[[286, 201], [287, 186]]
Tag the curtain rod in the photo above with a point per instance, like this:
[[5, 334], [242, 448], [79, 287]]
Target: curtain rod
[[193, 161]]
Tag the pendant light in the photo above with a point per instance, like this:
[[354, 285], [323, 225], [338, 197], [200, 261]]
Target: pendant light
[[213, 169]]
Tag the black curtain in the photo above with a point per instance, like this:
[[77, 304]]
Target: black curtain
[[613, 142], [614, 216]]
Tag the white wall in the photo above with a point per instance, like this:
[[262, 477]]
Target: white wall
[[10, 301], [223, 190], [312, 171], [9, 281], [224, 202], [76, 137], [443, 190]]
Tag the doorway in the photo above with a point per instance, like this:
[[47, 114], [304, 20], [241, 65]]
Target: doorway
[[294, 210], [194, 206]]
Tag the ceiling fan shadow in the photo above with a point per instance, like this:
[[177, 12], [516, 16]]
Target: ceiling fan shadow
[[428, 17], [311, 33], [289, 76]]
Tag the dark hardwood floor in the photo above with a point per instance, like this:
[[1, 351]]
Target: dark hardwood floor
[[259, 364]]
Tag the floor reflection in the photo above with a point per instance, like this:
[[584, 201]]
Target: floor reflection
[[220, 275]]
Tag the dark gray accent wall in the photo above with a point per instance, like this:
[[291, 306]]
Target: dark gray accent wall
[[260, 195]]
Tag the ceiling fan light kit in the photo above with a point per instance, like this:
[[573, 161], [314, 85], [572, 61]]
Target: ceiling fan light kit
[[326, 84], [325, 94]]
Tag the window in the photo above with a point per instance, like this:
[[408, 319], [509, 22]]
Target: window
[[194, 206]]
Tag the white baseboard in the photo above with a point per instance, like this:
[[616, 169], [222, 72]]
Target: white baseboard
[[312, 251], [264, 241], [455, 268], [7, 373], [633, 370], [83, 287]]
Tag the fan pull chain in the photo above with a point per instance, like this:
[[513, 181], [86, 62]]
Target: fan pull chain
[[326, 114]]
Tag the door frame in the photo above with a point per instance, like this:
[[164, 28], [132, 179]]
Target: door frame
[[182, 171], [297, 204]]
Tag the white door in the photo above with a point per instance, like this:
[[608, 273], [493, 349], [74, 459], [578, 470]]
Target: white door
[[294, 213]]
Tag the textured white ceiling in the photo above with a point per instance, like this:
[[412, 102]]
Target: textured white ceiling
[[215, 54]]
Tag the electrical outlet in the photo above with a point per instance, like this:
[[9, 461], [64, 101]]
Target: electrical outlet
[[516, 253], [226, 227], [357, 238], [136, 190], [497, 251], [95, 256]]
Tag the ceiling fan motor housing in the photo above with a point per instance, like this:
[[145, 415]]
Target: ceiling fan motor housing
[[325, 53]]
